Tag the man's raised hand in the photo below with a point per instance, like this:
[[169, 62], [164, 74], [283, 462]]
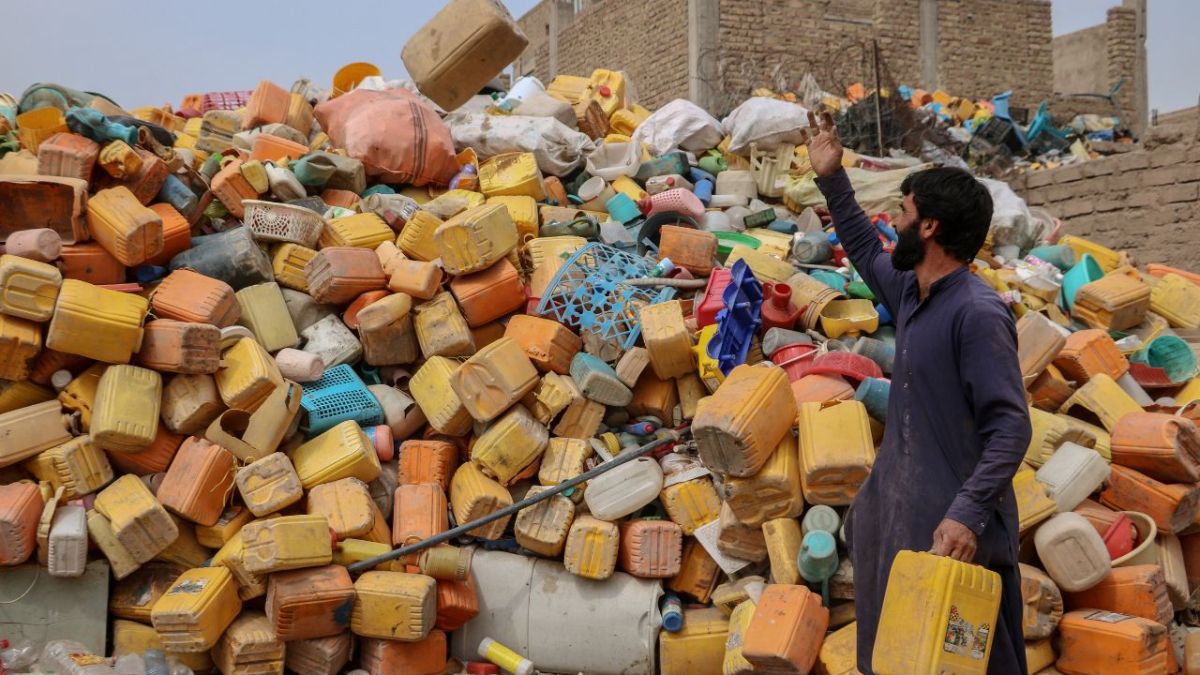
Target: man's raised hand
[[824, 146]]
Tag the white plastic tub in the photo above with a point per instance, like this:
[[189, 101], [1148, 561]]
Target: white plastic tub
[[561, 622]]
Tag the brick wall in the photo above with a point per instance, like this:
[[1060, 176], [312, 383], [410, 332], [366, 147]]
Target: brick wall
[[1143, 201], [1121, 50], [647, 40], [773, 44], [990, 46]]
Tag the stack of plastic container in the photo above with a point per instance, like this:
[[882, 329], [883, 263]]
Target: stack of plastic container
[[242, 361]]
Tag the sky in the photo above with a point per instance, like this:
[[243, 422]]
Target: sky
[[149, 52]]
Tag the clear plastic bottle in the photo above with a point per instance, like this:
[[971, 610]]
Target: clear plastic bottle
[[156, 662], [68, 657], [18, 656]]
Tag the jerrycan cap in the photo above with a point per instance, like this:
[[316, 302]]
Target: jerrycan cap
[[482, 668], [333, 539], [605, 91]]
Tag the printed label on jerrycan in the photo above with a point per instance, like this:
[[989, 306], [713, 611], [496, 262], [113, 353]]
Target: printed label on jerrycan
[[191, 587], [964, 639], [1108, 617]]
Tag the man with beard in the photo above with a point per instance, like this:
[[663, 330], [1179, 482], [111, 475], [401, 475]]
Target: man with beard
[[958, 424]]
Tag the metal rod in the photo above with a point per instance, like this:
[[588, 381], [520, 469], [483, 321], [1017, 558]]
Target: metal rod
[[442, 537], [878, 96]]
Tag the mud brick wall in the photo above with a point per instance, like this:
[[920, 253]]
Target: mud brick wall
[[647, 40], [984, 46], [1146, 201], [990, 46]]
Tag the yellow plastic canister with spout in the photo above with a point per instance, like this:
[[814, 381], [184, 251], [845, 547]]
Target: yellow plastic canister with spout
[[28, 288], [939, 615], [286, 543], [475, 239]]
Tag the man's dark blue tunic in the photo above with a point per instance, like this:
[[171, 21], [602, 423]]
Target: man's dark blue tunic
[[958, 427]]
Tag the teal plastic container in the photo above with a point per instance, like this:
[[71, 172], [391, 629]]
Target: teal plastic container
[[1081, 274]]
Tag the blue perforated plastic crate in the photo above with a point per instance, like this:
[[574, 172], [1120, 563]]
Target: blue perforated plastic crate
[[590, 294], [338, 396], [739, 321]]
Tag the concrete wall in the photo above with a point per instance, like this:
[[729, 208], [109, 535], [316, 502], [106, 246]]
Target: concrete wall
[[1144, 201], [1076, 56], [1092, 60]]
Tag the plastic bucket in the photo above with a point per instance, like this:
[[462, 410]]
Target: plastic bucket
[[1171, 354], [1145, 553], [1084, 272], [348, 76], [795, 359], [525, 87], [36, 126], [1059, 255]]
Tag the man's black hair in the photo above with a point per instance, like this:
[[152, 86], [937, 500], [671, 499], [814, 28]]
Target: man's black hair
[[961, 204]]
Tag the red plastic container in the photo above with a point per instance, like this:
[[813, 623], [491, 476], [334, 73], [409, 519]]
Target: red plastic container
[[796, 360], [777, 310], [1119, 537], [849, 365], [712, 302]]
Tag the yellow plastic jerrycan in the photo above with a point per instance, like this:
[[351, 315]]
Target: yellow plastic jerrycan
[[667, 339], [128, 401], [394, 606], [95, 322], [1177, 300], [20, 344], [836, 451], [28, 288], [138, 520], [512, 443], [475, 239], [496, 377], [248, 375], [939, 616], [196, 609], [441, 329], [523, 210], [773, 492], [512, 174], [442, 407], [417, 237], [698, 647], [361, 230], [287, 543], [79, 466], [344, 451]]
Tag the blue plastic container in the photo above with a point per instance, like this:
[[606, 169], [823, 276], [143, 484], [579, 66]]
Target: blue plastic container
[[820, 517], [739, 321], [830, 278], [818, 560], [339, 395], [882, 353], [178, 195], [1059, 255], [1170, 353], [874, 393], [93, 124], [622, 209]]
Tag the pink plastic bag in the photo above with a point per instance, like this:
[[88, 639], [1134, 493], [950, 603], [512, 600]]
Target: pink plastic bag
[[395, 135]]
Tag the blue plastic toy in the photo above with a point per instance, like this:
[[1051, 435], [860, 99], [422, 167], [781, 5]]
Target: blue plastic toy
[[739, 321], [338, 396]]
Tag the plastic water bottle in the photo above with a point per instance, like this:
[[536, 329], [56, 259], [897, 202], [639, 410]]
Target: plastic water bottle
[[672, 613]]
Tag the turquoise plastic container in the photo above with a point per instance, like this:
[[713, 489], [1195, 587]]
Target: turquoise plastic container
[[1082, 273], [1170, 353]]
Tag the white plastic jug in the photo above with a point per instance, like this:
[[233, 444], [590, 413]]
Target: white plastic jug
[[67, 552], [1071, 474], [625, 489], [1072, 552]]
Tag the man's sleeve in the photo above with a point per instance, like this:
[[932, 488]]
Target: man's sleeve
[[861, 241], [991, 379]]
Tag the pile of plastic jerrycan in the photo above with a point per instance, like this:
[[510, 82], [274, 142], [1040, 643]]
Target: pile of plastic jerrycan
[[254, 343]]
